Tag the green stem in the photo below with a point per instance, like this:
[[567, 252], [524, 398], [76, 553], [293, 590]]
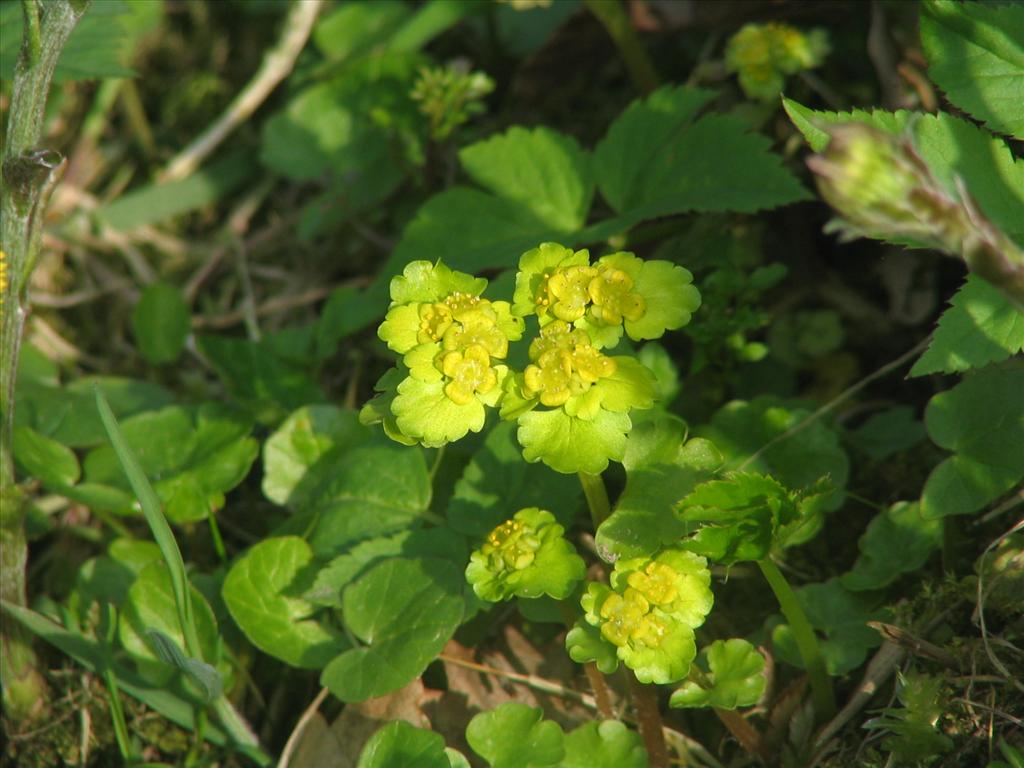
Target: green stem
[[597, 498], [28, 176], [806, 641], [615, 20]]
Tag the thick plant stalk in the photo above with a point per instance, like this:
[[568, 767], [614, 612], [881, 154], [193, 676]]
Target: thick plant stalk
[[648, 717], [806, 642], [29, 175]]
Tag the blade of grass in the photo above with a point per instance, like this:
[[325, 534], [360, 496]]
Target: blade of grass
[[232, 721]]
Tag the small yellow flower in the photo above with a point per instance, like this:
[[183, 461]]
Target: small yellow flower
[[435, 319], [470, 372], [613, 296], [511, 546], [477, 327], [569, 290]]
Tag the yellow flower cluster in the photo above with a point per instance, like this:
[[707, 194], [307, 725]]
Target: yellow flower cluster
[[511, 546], [467, 328], [567, 292], [629, 616], [564, 363]]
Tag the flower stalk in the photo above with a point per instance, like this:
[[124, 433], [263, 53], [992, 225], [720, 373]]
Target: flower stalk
[[29, 176], [806, 641]]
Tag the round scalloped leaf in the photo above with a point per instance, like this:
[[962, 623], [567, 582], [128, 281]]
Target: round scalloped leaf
[[405, 611], [401, 745], [259, 593], [585, 643], [378, 409], [423, 411], [401, 327], [604, 744], [632, 385], [570, 444], [665, 663], [670, 296], [516, 736], [734, 669], [291, 454], [422, 281]]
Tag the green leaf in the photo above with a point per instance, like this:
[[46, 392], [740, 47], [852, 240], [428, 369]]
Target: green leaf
[[44, 458], [343, 129], [897, 541], [660, 470], [570, 444], [154, 203], [585, 642], [432, 543], [637, 142], [405, 611], [400, 745], [354, 29], [347, 310], [887, 432], [68, 414], [201, 673], [975, 54], [980, 327], [161, 323], [369, 491], [842, 616], [262, 381], [516, 736], [735, 671], [150, 605], [982, 420], [295, 454], [955, 148], [604, 744], [656, 161], [101, 44], [742, 429], [742, 517], [194, 456], [808, 121], [544, 170], [497, 482], [262, 593]]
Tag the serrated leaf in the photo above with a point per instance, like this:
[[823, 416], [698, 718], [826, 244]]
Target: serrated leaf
[[45, 459], [660, 470], [516, 736], [743, 517], [975, 54], [638, 140], [982, 421], [161, 322], [897, 541], [980, 327], [498, 481], [809, 121], [735, 671], [262, 592], [400, 745], [955, 148], [546, 171], [292, 456], [604, 744], [842, 616], [741, 429], [405, 611], [193, 457]]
